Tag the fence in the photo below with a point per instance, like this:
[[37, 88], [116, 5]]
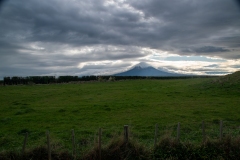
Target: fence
[[178, 131]]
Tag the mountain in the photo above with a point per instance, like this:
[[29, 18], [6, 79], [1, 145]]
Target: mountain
[[144, 69]]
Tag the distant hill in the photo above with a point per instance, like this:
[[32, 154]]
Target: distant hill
[[233, 78], [227, 85], [144, 69]]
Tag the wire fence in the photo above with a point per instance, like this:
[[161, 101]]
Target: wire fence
[[81, 139]]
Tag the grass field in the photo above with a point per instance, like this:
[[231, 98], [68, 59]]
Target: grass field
[[140, 104]]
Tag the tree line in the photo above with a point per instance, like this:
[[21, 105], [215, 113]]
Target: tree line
[[66, 79], [44, 79]]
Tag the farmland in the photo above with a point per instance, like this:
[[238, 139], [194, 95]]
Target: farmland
[[141, 104]]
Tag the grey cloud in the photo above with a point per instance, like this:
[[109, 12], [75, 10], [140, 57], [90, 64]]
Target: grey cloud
[[177, 24], [226, 55], [231, 41], [191, 23], [8, 47], [238, 2], [168, 67], [210, 49], [193, 58], [218, 73], [106, 66], [213, 69], [1, 4], [187, 27], [212, 65], [236, 66], [210, 70]]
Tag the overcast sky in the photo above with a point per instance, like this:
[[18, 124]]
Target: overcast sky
[[85, 37]]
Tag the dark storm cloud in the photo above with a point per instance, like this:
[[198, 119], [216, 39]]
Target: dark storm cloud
[[238, 2], [1, 3], [40, 34], [192, 23], [174, 25], [210, 49], [8, 46]]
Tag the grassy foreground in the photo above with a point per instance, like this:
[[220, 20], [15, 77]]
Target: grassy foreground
[[141, 104], [167, 148]]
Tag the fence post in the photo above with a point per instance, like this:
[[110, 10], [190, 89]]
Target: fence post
[[126, 133], [24, 143], [48, 145], [100, 143], [156, 135], [178, 131], [73, 145], [221, 129], [203, 131]]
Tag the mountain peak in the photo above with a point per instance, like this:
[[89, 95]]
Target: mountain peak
[[142, 65], [145, 70]]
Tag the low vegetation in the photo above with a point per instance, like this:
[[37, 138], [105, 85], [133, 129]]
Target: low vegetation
[[167, 148], [141, 104]]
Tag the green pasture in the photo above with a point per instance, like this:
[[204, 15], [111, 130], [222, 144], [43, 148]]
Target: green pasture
[[85, 107]]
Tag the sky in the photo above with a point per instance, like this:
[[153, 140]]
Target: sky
[[100, 37]]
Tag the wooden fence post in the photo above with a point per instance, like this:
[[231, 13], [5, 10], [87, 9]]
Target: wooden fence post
[[100, 143], [203, 131], [156, 135], [221, 130], [24, 143], [73, 145], [126, 133], [178, 131], [48, 145]]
